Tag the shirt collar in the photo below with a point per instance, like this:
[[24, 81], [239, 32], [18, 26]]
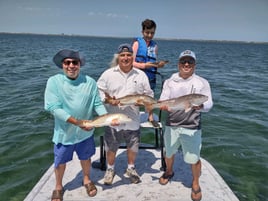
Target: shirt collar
[[176, 77], [117, 68]]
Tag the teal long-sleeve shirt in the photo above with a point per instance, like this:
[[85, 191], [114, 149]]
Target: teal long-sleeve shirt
[[77, 98]]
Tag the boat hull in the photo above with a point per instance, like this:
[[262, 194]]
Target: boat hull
[[148, 166]]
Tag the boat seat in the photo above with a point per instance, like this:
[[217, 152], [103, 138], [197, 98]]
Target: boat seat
[[144, 124]]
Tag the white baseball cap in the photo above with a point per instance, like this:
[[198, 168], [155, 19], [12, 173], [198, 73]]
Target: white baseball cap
[[187, 53]]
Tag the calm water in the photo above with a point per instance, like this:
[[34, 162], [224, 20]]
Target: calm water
[[234, 131]]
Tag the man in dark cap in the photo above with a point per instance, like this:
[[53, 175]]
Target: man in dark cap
[[71, 98], [118, 81]]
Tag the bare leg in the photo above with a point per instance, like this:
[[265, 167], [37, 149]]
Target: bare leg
[[150, 116], [169, 163], [131, 156], [85, 164], [169, 169], [151, 119], [110, 157], [196, 172], [59, 172]]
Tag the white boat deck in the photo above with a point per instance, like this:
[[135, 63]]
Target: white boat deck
[[148, 165]]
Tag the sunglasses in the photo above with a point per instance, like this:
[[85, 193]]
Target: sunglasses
[[68, 62], [189, 61]]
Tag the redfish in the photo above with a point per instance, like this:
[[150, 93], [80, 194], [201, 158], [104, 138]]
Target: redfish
[[181, 103], [108, 119], [138, 99]]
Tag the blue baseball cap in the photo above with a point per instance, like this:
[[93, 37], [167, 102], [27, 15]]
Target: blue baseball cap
[[124, 48]]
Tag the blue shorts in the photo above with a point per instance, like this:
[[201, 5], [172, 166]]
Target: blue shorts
[[64, 153], [189, 140]]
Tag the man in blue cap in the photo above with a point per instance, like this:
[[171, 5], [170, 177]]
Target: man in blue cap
[[118, 81]]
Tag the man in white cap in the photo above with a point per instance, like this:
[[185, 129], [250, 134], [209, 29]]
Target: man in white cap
[[118, 81], [71, 98], [184, 128]]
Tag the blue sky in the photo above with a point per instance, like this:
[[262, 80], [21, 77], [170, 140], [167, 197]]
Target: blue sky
[[236, 20]]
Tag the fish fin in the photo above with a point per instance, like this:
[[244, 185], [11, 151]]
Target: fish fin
[[187, 107], [139, 102], [115, 122]]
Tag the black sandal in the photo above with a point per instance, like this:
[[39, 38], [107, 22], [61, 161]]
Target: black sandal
[[155, 124], [167, 177]]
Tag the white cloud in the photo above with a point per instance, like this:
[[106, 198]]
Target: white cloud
[[107, 15]]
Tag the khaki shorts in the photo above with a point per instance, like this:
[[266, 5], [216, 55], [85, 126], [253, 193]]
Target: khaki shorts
[[188, 139], [113, 139]]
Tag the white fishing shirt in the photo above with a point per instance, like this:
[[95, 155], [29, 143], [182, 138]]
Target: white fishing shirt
[[119, 84], [175, 87]]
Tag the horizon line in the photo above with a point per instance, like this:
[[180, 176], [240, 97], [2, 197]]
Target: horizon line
[[177, 39]]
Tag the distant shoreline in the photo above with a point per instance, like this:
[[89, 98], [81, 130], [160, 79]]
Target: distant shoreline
[[174, 39]]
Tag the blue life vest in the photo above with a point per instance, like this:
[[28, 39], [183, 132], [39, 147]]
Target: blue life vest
[[147, 54]]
